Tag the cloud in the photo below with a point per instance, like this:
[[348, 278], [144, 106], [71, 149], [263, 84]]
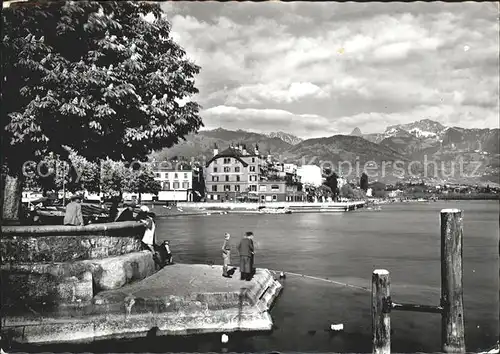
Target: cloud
[[343, 62], [275, 92], [262, 120]]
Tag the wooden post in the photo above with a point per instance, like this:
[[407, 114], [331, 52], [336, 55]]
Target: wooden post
[[381, 321], [452, 325]]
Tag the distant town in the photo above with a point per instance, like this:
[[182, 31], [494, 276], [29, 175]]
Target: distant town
[[240, 173]]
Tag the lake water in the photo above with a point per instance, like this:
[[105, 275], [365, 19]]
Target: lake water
[[346, 247]]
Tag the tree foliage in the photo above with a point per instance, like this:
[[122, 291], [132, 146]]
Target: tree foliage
[[141, 180], [332, 182], [51, 173], [363, 182], [102, 78], [347, 191], [113, 178], [98, 77]]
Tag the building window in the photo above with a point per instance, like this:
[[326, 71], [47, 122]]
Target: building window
[[158, 175], [185, 185], [253, 159], [237, 178], [262, 188], [227, 178], [176, 185], [166, 186], [211, 197], [176, 176], [215, 168], [227, 188], [214, 188], [253, 188], [185, 175], [227, 160], [252, 168], [215, 178], [237, 188], [275, 198], [275, 187], [236, 169], [227, 169]]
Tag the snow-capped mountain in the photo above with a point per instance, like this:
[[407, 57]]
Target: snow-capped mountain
[[424, 128], [286, 137]]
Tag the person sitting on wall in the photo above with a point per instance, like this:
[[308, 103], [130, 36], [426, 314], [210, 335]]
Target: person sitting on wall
[[165, 255], [73, 215], [149, 235], [126, 214]]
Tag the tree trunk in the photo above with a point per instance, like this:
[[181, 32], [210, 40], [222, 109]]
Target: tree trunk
[[11, 199]]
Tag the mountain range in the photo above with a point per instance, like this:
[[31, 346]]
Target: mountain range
[[407, 144]]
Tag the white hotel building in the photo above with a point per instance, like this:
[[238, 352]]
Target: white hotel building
[[176, 184]]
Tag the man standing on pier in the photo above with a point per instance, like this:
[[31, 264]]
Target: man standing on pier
[[226, 255], [245, 249], [252, 258]]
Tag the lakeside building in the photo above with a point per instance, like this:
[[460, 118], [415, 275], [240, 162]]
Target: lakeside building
[[176, 183], [240, 174]]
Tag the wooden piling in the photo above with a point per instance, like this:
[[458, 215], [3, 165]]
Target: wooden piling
[[452, 323], [381, 322]]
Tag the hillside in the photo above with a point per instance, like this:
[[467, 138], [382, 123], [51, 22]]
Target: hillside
[[476, 150], [200, 146], [333, 150]]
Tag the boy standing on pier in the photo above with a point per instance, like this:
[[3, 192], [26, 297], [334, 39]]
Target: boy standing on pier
[[226, 255]]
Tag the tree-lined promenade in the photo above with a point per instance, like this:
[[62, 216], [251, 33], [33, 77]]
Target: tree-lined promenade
[[90, 82]]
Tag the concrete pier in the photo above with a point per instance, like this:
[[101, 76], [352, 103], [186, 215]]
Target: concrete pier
[[179, 299], [253, 208]]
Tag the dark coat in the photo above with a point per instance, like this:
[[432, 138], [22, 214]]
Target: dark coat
[[245, 248]]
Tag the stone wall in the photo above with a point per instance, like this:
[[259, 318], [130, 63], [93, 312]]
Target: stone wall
[[45, 267], [57, 243]]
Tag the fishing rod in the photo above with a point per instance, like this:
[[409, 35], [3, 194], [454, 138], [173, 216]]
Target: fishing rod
[[323, 279], [283, 274]]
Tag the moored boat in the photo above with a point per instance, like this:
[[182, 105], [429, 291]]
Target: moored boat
[[270, 210]]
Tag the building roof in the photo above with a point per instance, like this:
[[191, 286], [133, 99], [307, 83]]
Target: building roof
[[163, 169], [235, 153]]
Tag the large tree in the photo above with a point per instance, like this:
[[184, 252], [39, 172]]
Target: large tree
[[142, 180], [331, 181], [102, 78]]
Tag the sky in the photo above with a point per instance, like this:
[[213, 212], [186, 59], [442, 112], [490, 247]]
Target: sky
[[320, 69]]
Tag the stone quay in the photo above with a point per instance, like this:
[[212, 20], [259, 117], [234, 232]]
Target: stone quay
[[67, 284]]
